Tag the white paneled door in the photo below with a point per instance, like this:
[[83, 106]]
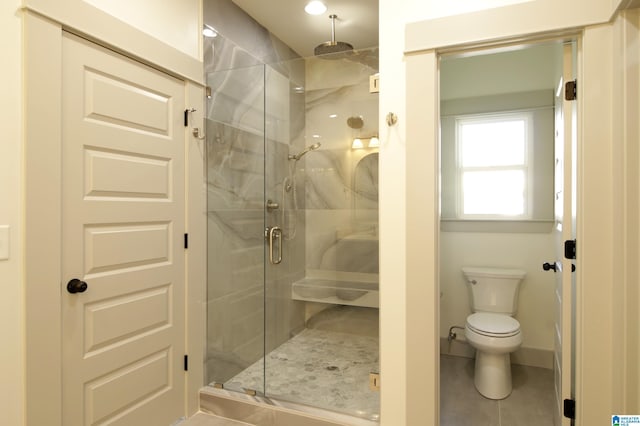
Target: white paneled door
[[123, 225], [565, 213]]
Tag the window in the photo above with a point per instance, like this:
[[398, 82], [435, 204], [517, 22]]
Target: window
[[493, 155]]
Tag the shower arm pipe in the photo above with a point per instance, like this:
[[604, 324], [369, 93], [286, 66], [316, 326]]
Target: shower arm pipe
[[333, 29]]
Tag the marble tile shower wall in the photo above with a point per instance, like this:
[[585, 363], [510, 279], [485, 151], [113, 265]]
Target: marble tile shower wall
[[342, 183], [253, 109]]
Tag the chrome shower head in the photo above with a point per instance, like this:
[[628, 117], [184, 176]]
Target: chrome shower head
[[332, 47], [307, 149]]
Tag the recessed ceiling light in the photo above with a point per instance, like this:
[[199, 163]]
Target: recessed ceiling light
[[315, 7], [333, 115], [209, 32]]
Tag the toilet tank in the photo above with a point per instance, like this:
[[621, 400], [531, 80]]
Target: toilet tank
[[494, 289]]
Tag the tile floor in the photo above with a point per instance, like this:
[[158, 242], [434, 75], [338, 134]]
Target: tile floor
[[324, 369], [328, 364], [531, 402]]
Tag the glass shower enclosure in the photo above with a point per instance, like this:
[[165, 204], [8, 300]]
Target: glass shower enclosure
[[292, 305]]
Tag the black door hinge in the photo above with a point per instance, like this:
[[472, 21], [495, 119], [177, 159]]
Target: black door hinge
[[570, 249], [186, 363], [186, 117], [571, 90], [186, 241], [569, 409]]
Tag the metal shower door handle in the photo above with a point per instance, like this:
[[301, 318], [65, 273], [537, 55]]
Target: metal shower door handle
[[272, 234]]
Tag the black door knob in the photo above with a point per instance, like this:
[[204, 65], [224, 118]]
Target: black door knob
[[547, 266], [76, 286]]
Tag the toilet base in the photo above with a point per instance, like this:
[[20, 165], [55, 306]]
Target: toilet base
[[492, 375]]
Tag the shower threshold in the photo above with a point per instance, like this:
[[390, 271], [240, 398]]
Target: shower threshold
[[263, 411]]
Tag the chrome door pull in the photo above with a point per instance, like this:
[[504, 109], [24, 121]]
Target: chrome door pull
[[274, 233]]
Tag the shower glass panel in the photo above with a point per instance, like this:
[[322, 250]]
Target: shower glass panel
[[236, 223], [293, 240]]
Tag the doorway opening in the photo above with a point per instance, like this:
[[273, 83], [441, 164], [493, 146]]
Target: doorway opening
[[507, 151]]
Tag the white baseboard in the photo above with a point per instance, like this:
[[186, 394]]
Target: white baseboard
[[531, 357]]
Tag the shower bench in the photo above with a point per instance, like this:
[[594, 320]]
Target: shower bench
[[344, 290]]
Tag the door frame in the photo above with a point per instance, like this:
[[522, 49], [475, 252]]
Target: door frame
[[43, 217], [595, 319]]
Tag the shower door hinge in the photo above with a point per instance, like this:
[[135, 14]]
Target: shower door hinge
[[374, 381], [186, 363], [570, 249], [569, 409], [186, 116], [374, 83], [186, 241], [571, 90]]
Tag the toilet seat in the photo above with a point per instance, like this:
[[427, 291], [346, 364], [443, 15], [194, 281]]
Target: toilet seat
[[493, 325]]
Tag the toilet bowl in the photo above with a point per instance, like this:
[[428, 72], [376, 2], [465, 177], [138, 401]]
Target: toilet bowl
[[494, 336], [491, 328]]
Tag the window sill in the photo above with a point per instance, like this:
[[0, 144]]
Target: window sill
[[497, 226]]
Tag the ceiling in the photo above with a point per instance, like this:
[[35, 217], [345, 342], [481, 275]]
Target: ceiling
[[357, 22]]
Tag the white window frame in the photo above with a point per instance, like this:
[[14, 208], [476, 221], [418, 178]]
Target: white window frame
[[527, 165]]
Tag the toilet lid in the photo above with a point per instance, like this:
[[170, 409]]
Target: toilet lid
[[497, 325]]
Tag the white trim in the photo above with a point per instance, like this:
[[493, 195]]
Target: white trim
[[43, 217], [196, 260], [43, 213], [594, 287], [87, 21], [422, 245], [531, 357], [513, 24]]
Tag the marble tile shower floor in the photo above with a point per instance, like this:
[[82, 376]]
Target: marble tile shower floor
[[531, 402], [321, 368]]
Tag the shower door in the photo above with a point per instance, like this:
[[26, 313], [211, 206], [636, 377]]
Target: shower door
[[254, 118], [282, 200], [235, 144]]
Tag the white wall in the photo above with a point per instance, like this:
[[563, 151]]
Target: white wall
[[519, 251], [403, 321], [176, 23], [25, 279], [163, 33], [501, 81], [394, 284], [492, 73], [11, 302]]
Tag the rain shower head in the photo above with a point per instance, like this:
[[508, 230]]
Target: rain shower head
[[332, 46], [307, 149]]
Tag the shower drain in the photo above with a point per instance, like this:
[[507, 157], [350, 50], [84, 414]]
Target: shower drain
[[332, 368]]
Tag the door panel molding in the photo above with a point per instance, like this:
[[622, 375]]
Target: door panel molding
[[43, 215], [122, 245]]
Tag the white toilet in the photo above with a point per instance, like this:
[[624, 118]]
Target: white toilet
[[491, 329]]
